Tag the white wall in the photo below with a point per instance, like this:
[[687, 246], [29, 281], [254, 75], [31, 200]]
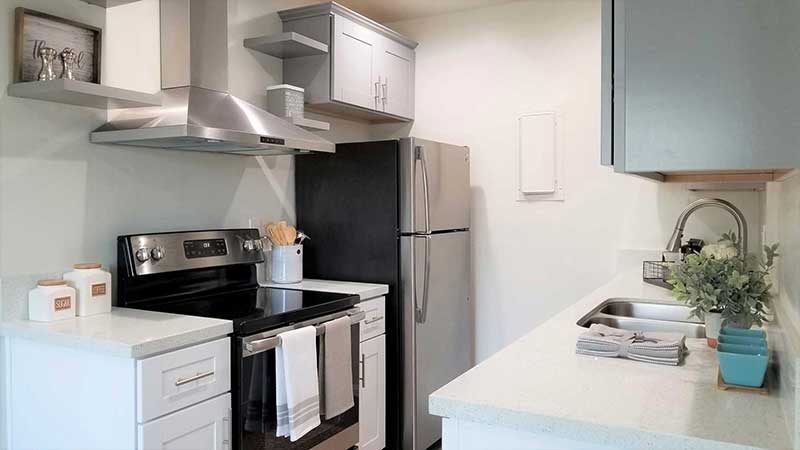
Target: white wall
[[476, 70], [782, 218], [64, 200]]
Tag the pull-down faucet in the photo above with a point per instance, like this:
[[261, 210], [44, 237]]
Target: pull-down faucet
[[674, 244]]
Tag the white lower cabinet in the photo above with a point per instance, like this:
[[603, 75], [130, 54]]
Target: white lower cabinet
[[206, 426], [178, 400], [372, 395]]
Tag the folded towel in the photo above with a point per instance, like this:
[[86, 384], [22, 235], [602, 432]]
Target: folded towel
[[652, 347], [338, 368], [296, 383]]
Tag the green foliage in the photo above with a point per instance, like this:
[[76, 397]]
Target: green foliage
[[738, 287]]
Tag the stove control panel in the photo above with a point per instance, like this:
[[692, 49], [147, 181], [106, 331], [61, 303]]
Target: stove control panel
[[170, 252], [204, 248]]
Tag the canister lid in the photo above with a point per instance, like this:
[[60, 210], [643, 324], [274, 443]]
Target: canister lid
[[51, 282], [84, 266]]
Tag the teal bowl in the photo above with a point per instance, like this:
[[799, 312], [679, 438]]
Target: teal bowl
[[729, 331], [742, 340], [743, 365]]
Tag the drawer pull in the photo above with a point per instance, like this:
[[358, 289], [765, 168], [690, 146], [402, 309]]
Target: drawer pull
[[199, 376], [377, 318]]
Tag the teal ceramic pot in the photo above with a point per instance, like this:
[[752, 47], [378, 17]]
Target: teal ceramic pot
[[743, 365]]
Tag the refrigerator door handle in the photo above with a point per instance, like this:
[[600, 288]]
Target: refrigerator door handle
[[422, 310], [426, 200]]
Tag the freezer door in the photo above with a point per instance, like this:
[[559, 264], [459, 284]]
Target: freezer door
[[434, 186], [438, 326]]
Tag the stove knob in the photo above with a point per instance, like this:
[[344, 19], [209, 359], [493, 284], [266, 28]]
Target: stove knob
[[249, 245], [158, 253], [142, 254]]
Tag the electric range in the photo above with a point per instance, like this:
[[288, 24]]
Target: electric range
[[212, 273]]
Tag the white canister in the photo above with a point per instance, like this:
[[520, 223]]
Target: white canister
[[287, 263], [93, 287], [51, 300]]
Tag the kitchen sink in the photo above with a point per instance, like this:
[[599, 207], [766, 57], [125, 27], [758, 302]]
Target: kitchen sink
[[644, 315]]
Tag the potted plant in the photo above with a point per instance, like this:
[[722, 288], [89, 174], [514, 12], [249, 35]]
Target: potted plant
[[724, 288]]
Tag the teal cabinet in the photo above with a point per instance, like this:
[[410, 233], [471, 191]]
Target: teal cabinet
[[701, 85]]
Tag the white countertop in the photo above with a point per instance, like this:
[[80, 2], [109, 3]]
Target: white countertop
[[538, 384], [364, 290], [134, 333], [123, 332]]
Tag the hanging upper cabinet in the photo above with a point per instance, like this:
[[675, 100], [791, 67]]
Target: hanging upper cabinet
[[368, 72], [709, 86]]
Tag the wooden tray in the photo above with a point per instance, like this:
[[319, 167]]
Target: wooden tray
[[722, 386]]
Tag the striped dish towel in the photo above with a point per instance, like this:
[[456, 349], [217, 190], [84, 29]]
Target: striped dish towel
[[296, 383], [651, 347]]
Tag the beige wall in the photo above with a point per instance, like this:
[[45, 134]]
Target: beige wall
[[476, 71]]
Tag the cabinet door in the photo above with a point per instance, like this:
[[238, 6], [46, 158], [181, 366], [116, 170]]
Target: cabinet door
[[706, 84], [205, 426], [354, 55], [372, 395], [396, 69]]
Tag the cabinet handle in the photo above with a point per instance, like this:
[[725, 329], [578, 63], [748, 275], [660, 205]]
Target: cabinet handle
[[199, 376], [226, 430], [377, 92], [367, 322], [385, 91], [363, 373]]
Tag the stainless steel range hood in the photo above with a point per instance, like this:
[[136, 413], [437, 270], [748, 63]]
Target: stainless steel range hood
[[197, 112]]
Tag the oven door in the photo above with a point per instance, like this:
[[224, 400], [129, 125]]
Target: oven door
[[254, 411]]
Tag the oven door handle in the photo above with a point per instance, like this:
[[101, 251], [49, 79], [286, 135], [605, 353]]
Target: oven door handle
[[270, 343]]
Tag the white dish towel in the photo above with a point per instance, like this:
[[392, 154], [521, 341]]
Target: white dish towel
[[296, 383], [338, 368]]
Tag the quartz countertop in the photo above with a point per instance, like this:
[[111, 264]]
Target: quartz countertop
[[365, 291], [123, 332], [539, 384]]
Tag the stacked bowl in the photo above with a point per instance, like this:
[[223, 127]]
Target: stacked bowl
[[743, 356]]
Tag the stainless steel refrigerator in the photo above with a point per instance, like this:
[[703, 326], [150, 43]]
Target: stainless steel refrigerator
[[398, 212]]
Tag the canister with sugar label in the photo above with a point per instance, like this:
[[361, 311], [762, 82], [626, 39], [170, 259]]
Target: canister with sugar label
[[51, 300]]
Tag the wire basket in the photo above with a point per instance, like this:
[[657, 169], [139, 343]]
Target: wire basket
[[657, 273]]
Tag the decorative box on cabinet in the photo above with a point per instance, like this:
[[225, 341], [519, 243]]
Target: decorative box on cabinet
[[368, 72], [705, 89]]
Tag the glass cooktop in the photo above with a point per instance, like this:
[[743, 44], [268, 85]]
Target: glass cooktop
[[258, 309]]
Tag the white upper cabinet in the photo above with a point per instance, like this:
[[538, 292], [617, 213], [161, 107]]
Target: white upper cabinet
[[701, 85], [368, 72], [355, 54], [396, 79]]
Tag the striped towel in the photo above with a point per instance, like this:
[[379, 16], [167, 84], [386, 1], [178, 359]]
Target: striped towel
[[296, 383], [651, 347]]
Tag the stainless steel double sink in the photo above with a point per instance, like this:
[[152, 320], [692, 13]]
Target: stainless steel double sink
[[643, 315]]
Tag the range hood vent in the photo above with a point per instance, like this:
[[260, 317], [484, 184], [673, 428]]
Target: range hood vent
[[197, 112]]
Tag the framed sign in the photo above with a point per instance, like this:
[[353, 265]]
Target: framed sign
[[35, 30]]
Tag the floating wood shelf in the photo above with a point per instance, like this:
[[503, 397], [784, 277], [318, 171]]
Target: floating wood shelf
[[81, 93], [309, 124], [110, 3], [286, 45]]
